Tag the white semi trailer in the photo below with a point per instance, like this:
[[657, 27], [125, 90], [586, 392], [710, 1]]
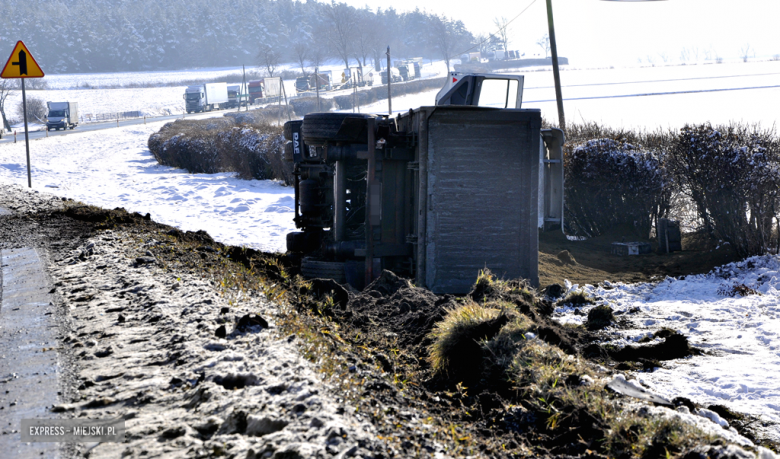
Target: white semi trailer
[[206, 97]]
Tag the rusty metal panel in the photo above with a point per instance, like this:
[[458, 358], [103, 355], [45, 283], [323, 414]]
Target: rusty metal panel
[[481, 179]]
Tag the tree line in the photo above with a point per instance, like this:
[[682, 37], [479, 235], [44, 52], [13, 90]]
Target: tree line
[[146, 35]]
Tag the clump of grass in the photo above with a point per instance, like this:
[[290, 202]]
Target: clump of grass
[[503, 346], [577, 298], [600, 317], [455, 350], [489, 288], [551, 384]]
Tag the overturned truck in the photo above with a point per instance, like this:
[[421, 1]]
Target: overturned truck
[[435, 194]]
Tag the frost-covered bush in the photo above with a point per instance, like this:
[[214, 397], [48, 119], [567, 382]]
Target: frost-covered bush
[[253, 150], [613, 183], [732, 173]]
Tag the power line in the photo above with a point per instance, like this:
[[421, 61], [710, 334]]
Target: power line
[[504, 27]]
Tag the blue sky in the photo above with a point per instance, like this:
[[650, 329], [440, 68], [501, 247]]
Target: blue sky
[[608, 32]]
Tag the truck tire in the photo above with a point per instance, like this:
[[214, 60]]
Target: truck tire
[[291, 126], [319, 128], [316, 269]]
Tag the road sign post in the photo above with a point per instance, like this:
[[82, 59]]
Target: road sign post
[[22, 65]]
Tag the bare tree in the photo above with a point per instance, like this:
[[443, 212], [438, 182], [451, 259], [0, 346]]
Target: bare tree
[[339, 29], [448, 37], [502, 24], [300, 50], [695, 54], [6, 89], [746, 52], [36, 109], [269, 57], [544, 43], [366, 31], [685, 56], [664, 57]]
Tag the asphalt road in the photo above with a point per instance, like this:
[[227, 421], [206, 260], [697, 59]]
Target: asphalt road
[[88, 127]]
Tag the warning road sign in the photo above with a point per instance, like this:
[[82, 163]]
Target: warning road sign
[[21, 64]]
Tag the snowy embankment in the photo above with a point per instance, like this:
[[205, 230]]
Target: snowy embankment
[[114, 168], [740, 367]]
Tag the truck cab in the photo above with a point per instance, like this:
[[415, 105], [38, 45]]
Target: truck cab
[[234, 92], [256, 90], [194, 98], [62, 115], [302, 84]]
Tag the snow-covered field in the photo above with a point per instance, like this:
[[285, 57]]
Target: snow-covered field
[[646, 98], [114, 168], [741, 365]]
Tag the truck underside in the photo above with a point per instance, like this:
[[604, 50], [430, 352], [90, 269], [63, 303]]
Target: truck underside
[[434, 195]]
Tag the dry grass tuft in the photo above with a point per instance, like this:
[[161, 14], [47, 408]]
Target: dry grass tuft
[[456, 350], [577, 298]]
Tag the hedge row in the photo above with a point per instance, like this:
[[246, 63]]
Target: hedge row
[[729, 175], [252, 147], [377, 93]]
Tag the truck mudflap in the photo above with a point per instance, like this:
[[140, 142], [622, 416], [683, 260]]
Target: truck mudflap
[[552, 179]]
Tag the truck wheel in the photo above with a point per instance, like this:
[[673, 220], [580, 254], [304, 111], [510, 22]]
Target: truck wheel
[[291, 126], [315, 269], [319, 128]]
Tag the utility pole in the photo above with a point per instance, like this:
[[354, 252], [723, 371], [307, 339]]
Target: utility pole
[[389, 80], [244, 90], [556, 72], [317, 85]]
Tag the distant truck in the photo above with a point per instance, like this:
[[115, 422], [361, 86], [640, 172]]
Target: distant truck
[[256, 90], [234, 92], [395, 75], [206, 97], [326, 80], [309, 83], [407, 70], [62, 115]]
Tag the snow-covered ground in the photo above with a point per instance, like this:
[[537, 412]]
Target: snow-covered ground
[[741, 365], [114, 168], [646, 98]]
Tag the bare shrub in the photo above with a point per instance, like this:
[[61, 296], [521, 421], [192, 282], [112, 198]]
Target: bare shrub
[[732, 174], [36, 109]]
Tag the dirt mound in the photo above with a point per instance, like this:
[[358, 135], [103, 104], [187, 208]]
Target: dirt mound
[[566, 257], [390, 309]]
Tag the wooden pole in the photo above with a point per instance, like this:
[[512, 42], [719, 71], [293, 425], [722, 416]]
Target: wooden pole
[[317, 86], [556, 73], [389, 80]]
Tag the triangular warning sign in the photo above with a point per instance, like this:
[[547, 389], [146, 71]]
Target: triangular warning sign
[[21, 64]]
